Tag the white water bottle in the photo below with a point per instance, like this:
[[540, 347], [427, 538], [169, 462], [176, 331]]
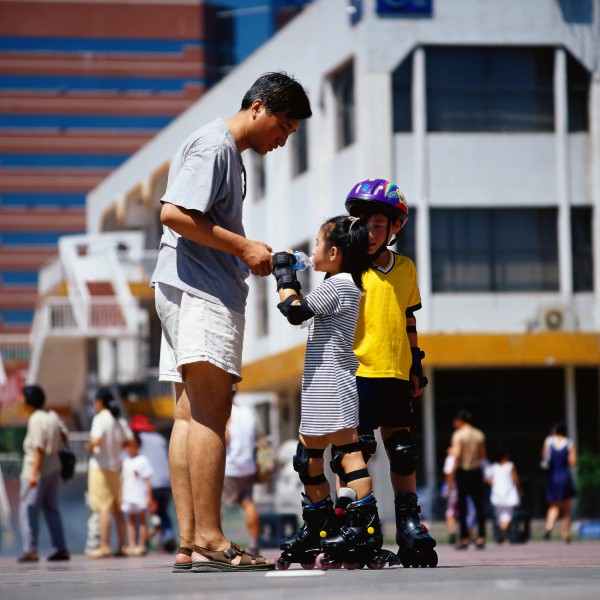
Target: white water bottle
[[303, 261]]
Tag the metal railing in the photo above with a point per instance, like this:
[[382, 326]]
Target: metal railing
[[97, 316]]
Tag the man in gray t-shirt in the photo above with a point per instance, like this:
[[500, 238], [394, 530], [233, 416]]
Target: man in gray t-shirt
[[200, 288]]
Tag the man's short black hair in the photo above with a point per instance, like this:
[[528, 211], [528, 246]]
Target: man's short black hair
[[279, 92], [464, 415], [34, 396]]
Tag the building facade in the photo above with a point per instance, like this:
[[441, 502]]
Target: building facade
[[487, 115]]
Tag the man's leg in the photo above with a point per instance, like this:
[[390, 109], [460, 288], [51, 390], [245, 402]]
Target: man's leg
[[52, 512], [180, 474], [209, 392]]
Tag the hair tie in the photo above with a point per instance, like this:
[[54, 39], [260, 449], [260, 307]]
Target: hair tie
[[352, 221]]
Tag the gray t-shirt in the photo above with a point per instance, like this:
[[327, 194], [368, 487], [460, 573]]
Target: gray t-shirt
[[205, 175]]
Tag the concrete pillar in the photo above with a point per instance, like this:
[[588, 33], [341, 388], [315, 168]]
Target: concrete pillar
[[429, 442], [562, 173], [422, 199]]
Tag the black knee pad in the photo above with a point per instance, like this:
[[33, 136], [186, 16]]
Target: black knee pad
[[337, 453], [402, 452], [300, 463], [368, 444]]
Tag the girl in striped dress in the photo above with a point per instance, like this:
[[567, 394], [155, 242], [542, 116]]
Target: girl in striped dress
[[330, 401]]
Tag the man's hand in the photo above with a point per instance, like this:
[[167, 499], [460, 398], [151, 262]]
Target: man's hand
[[257, 257]]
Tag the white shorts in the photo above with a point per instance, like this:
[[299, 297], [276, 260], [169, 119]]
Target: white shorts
[[133, 508], [196, 330]]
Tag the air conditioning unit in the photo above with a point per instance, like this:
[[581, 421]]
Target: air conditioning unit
[[556, 318]]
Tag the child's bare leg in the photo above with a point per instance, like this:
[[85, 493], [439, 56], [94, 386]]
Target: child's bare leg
[[142, 530], [131, 530]]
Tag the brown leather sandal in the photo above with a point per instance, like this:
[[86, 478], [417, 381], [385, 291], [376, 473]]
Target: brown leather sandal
[[222, 560], [183, 567]]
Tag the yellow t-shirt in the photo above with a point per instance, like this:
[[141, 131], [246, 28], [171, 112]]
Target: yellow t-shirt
[[381, 342]]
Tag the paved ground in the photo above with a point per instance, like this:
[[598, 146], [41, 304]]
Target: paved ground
[[548, 570]]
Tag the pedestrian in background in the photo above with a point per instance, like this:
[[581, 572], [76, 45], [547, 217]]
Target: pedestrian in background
[[468, 446], [506, 491], [558, 457], [155, 448], [40, 477], [107, 437], [136, 495]]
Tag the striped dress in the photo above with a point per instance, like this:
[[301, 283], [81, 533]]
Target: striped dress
[[329, 397]]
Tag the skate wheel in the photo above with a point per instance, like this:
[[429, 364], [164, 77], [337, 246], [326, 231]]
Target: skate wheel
[[405, 559], [350, 566], [281, 564], [433, 559], [307, 566], [320, 562], [375, 565]]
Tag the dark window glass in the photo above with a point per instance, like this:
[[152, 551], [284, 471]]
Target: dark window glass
[[494, 250], [262, 306], [405, 241], [578, 83], [300, 149], [401, 90], [343, 90], [259, 178], [581, 239], [489, 89]]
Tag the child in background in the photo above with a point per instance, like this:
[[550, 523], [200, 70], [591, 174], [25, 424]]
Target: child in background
[[136, 495], [506, 491]]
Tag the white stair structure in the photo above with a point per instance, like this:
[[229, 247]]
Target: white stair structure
[[87, 319]]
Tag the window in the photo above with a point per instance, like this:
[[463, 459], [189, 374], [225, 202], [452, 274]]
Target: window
[[401, 90], [494, 250], [262, 305], [581, 240], [490, 89], [405, 241], [300, 149], [343, 91], [578, 89], [259, 176]]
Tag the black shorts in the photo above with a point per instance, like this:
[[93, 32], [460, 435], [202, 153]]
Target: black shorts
[[384, 401]]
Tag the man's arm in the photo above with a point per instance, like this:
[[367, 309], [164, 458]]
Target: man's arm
[[194, 226]]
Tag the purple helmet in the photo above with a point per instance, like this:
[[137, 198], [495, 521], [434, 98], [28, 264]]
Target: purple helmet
[[386, 196]]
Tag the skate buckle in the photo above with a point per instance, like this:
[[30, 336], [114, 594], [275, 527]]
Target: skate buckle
[[323, 534], [370, 530]]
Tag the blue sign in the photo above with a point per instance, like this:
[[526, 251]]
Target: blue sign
[[406, 7]]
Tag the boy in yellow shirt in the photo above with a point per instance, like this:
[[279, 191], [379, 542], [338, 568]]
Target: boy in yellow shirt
[[390, 375]]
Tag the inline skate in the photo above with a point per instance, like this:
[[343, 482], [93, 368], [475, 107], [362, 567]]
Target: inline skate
[[415, 544], [359, 540], [304, 546]]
